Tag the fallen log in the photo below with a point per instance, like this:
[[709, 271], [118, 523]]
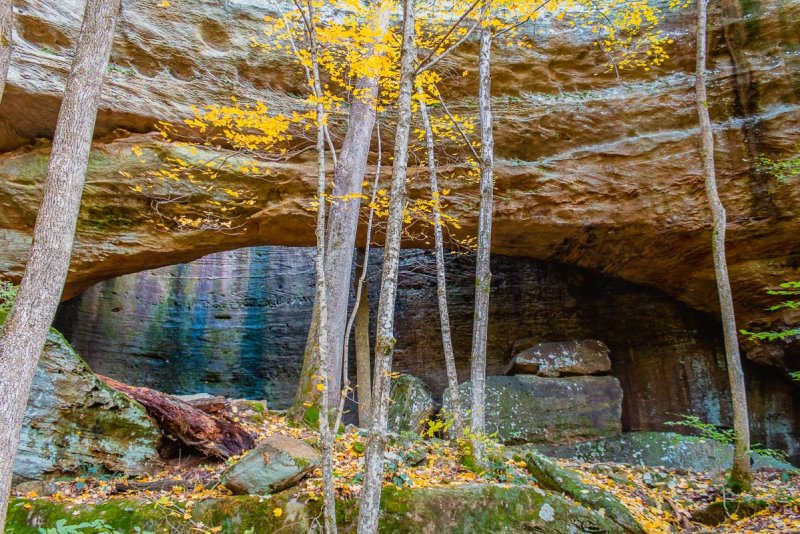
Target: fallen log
[[208, 434]]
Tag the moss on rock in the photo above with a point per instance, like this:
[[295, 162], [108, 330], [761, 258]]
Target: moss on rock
[[457, 509]]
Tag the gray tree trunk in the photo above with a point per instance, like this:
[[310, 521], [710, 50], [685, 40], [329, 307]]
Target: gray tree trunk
[[326, 434], [740, 473], [441, 279], [369, 510], [483, 275], [23, 335], [341, 236], [363, 361], [360, 318], [6, 25]]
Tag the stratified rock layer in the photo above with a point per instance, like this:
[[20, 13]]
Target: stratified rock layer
[[235, 324], [532, 409], [592, 170], [74, 422]]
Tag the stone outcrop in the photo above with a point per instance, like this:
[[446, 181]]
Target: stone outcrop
[[74, 422], [480, 507], [664, 449], [551, 476], [562, 358], [411, 404], [235, 324], [573, 145], [277, 463], [531, 409]]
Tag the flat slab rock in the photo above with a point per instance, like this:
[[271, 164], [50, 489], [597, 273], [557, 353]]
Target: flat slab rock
[[277, 463], [586, 357], [532, 409], [74, 422], [664, 449]]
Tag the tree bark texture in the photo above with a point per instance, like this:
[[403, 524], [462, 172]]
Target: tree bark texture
[[740, 473], [341, 231], [6, 26], [23, 335], [369, 510], [363, 361], [211, 435], [326, 435], [441, 279], [483, 275]]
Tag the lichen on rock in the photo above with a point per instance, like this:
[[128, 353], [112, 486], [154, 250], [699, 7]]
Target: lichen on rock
[[74, 422]]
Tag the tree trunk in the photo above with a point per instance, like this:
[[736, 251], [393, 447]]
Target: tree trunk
[[6, 25], [441, 279], [360, 316], [326, 435], [384, 345], [363, 361], [192, 426], [483, 275], [741, 475], [24, 333], [342, 226]]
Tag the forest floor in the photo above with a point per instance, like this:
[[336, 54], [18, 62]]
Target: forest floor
[[662, 500]]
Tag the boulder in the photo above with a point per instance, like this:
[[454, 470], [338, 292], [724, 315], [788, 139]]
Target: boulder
[[457, 509], [664, 449], [277, 463], [411, 404], [532, 409], [74, 422], [587, 357], [553, 477]]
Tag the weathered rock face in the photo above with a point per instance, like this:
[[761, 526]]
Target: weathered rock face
[[235, 324], [74, 422], [278, 462], [411, 404], [665, 449], [587, 357], [573, 144], [531, 409], [230, 325]]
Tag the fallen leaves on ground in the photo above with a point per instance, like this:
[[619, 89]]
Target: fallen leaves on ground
[[662, 500]]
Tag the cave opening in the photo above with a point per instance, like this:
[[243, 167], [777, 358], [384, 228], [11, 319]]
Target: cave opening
[[235, 324]]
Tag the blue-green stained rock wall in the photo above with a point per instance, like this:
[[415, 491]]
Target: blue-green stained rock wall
[[235, 324]]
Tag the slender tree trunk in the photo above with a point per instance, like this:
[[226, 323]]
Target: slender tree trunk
[[384, 345], [441, 279], [483, 275], [741, 475], [6, 25], [360, 317], [23, 335], [342, 225], [326, 433], [363, 363]]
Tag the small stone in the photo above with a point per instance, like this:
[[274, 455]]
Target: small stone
[[277, 463]]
